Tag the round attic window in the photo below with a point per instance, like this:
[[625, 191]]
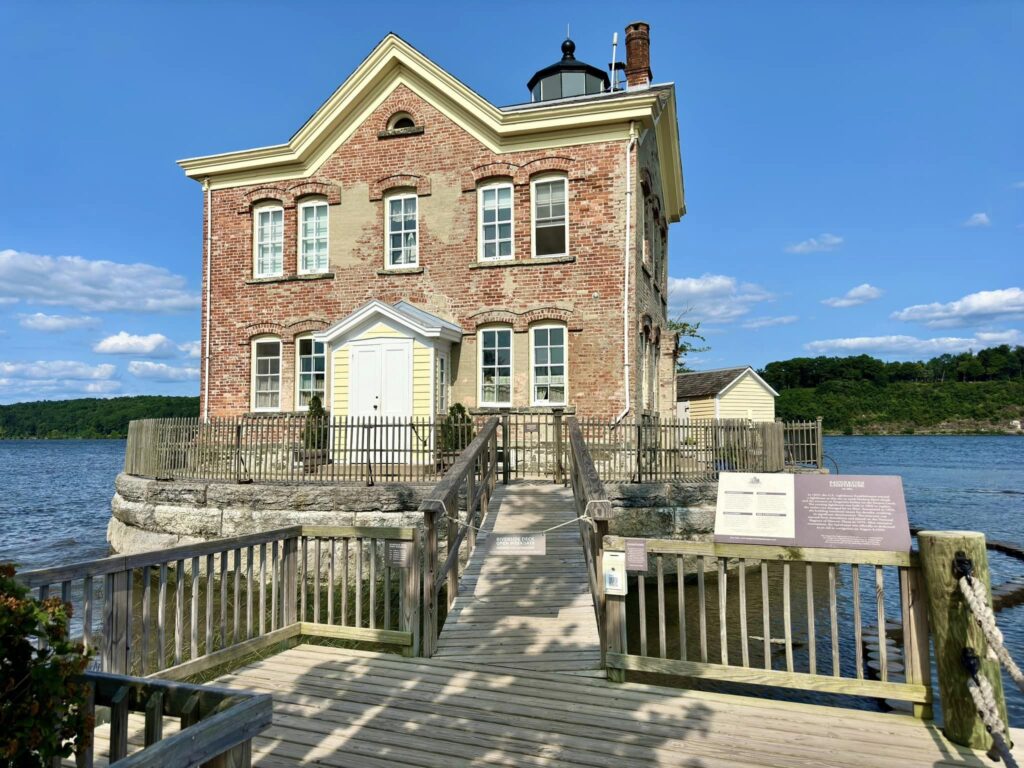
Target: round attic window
[[401, 120]]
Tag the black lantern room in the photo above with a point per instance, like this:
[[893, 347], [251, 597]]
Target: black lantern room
[[567, 78]]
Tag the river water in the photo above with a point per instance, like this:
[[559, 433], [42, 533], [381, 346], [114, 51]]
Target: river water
[[55, 498]]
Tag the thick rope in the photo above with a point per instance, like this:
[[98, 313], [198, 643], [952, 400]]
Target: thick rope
[[977, 599], [584, 518], [985, 702]]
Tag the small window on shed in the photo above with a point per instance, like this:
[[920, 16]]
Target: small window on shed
[[401, 120]]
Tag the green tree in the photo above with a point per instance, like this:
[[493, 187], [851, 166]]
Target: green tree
[[688, 340]]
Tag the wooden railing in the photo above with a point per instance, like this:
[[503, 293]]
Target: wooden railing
[[216, 724], [474, 473], [295, 448], [755, 630], [593, 511], [184, 610]]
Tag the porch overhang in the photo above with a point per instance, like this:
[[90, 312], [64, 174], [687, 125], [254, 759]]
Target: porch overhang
[[416, 321]]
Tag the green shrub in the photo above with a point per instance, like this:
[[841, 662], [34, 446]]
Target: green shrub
[[315, 432], [43, 710], [456, 429]]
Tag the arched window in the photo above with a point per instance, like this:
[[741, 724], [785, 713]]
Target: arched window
[[548, 371], [401, 120], [266, 373]]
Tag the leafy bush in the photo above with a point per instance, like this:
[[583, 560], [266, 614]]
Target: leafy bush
[[456, 429], [315, 432], [42, 700]]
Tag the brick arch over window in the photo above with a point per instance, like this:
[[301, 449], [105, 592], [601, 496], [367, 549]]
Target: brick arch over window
[[646, 324], [546, 315], [308, 325], [316, 187], [263, 329], [420, 183], [566, 165], [264, 194], [494, 316], [404, 106], [472, 178]]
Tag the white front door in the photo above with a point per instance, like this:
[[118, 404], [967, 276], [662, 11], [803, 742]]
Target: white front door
[[380, 387]]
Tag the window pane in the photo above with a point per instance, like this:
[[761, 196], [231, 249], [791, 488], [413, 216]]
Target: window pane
[[550, 240]]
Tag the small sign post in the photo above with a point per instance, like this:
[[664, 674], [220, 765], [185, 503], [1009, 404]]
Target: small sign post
[[613, 566], [636, 555], [397, 554], [517, 544]]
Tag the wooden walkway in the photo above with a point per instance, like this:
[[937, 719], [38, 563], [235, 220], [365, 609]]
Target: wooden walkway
[[526, 612], [338, 707]]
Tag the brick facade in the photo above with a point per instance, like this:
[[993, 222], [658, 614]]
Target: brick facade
[[443, 164]]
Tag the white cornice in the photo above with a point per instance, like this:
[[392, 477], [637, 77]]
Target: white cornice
[[393, 63]]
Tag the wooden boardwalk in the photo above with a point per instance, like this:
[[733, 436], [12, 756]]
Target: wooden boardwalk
[[338, 707], [526, 612]]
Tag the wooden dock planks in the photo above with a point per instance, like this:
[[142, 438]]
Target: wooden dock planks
[[527, 612]]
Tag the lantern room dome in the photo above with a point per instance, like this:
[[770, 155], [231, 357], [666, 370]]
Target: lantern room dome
[[567, 77]]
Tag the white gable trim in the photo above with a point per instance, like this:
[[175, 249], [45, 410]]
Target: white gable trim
[[378, 310], [734, 382]]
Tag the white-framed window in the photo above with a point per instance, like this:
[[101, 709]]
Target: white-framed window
[[548, 371], [441, 382], [268, 240], [402, 230], [496, 366], [311, 372], [495, 233], [550, 216], [313, 236], [266, 374]]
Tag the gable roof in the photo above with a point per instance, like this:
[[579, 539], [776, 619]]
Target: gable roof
[[394, 62], [713, 383], [403, 313]]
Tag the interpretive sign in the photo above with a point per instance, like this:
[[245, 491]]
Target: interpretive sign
[[518, 544], [398, 554], [636, 555], [829, 511], [852, 512], [755, 508]]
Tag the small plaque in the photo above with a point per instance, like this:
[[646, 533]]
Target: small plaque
[[528, 428], [398, 554], [518, 544], [636, 555], [613, 566]]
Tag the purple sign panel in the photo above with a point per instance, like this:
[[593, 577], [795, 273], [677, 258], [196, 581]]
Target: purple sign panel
[[851, 512]]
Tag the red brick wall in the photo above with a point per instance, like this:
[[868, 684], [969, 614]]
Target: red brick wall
[[444, 164]]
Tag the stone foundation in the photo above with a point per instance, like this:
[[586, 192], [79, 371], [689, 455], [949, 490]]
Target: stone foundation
[[151, 514]]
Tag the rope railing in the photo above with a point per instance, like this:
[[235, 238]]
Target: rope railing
[[988, 709]]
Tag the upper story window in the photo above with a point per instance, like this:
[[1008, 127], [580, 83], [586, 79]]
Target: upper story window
[[402, 231], [311, 370], [268, 239], [313, 236], [549, 379], [266, 374], [550, 219], [495, 218], [496, 367]]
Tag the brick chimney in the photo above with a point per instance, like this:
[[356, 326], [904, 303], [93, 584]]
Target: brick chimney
[[638, 54]]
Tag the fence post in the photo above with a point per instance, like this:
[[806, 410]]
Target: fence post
[[290, 563], [505, 419], [639, 450], [116, 629], [429, 577], [238, 453], [819, 441], [412, 596], [954, 629], [557, 426]]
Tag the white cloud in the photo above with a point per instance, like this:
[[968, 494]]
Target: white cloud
[[909, 346], [714, 298], [978, 220], [123, 343], [55, 323], [55, 379], [854, 297], [824, 242], [92, 285], [768, 322], [973, 309], [191, 348], [161, 371]]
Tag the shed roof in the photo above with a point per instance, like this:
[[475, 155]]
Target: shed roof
[[711, 383]]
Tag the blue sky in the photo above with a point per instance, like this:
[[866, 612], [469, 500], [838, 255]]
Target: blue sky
[[854, 171]]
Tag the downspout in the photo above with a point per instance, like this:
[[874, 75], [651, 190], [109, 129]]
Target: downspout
[[209, 294], [627, 258]]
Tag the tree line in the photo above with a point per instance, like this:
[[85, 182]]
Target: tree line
[[89, 417], [1001, 363]]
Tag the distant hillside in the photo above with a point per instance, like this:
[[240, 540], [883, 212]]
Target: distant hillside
[[88, 417], [970, 392]]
